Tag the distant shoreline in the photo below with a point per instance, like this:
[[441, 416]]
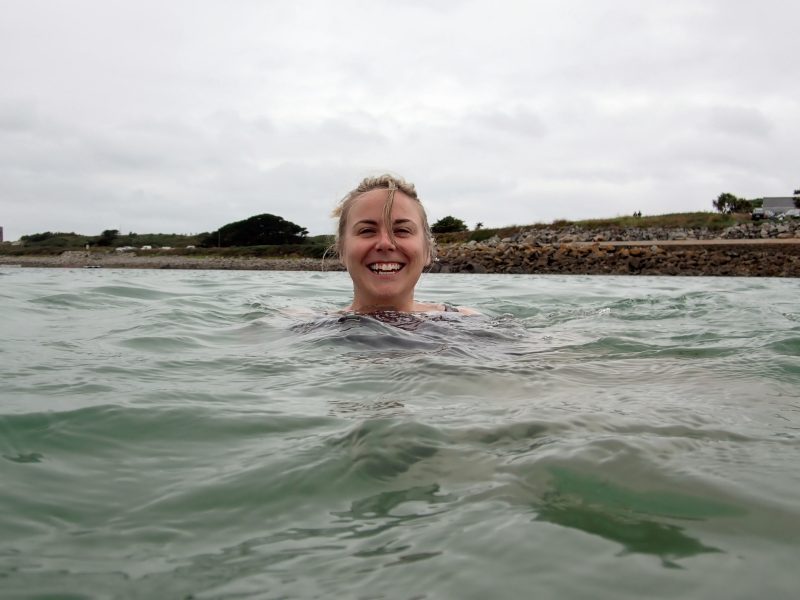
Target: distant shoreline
[[745, 257], [128, 260]]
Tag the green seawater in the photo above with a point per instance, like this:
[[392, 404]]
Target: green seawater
[[217, 434]]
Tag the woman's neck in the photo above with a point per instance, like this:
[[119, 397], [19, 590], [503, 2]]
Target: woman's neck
[[368, 305]]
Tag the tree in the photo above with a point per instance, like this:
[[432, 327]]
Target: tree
[[108, 237], [796, 195], [55, 239], [37, 237], [448, 224], [260, 230], [728, 203], [724, 202], [478, 226]]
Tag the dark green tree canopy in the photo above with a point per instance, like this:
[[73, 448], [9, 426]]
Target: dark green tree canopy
[[38, 237], [448, 224], [728, 203], [260, 230], [57, 239], [108, 237]]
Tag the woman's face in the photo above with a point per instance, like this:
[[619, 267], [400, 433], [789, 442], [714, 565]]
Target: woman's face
[[384, 273]]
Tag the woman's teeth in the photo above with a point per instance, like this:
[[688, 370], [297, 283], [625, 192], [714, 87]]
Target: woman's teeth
[[385, 267]]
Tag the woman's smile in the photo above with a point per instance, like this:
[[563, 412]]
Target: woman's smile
[[385, 267]]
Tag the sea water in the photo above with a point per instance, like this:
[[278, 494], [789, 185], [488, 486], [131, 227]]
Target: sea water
[[218, 434]]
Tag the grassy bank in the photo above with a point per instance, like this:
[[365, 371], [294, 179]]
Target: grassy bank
[[699, 220]]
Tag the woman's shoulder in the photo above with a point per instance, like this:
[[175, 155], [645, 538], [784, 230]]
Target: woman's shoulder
[[434, 307], [464, 310]]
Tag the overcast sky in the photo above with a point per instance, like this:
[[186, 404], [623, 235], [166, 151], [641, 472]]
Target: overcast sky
[[181, 116]]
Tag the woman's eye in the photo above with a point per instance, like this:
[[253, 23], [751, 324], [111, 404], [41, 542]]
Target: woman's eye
[[402, 231], [366, 231]]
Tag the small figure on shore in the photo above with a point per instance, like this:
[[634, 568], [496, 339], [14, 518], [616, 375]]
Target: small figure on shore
[[384, 241]]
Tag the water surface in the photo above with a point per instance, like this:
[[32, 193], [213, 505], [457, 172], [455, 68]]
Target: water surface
[[216, 434]]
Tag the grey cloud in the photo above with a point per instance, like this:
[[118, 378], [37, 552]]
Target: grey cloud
[[521, 122], [199, 115], [18, 116], [739, 121]]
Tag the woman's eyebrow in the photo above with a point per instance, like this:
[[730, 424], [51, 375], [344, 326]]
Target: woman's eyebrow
[[365, 222], [373, 223]]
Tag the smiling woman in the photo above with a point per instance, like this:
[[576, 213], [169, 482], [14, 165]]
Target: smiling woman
[[384, 241]]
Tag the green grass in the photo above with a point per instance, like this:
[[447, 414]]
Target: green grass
[[710, 220]]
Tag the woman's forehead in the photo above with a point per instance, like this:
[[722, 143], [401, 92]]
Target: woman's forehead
[[372, 203]]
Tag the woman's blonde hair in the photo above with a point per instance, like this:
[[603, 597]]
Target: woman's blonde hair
[[392, 184]]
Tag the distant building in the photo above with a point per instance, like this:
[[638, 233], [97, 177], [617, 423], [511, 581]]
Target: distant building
[[779, 205]]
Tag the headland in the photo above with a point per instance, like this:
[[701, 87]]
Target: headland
[[749, 249]]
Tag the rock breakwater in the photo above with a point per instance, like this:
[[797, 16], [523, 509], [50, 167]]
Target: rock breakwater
[[761, 259], [766, 249]]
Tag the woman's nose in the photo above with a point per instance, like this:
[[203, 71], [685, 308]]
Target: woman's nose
[[384, 241]]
